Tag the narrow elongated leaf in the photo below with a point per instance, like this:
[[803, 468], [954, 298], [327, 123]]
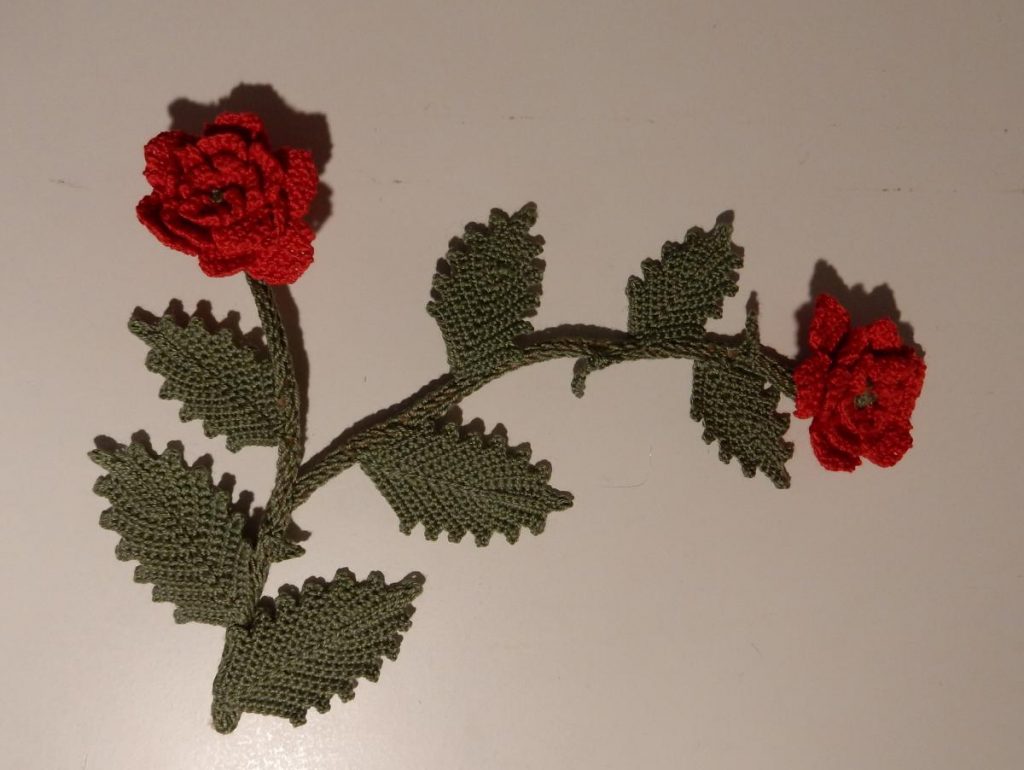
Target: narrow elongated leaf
[[217, 380], [485, 288], [311, 645], [738, 409], [681, 291], [181, 530], [458, 484]]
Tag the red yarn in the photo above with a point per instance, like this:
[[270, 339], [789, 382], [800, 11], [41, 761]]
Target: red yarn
[[860, 386], [231, 201]]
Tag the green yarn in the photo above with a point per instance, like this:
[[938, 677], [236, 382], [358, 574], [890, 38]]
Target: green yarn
[[686, 287], [290, 445], [183, 532], [219, 381], [283, 657], [463, 483], [310, 645], [483, 290], [738, 411]]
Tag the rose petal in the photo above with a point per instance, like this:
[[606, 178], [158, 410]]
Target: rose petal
[[163, 169], [853, 347], [217, 264], [269, 167], [834, 418], [883, 335], [250, 236], [809, 379], [897, 381], [229, 143], [829, 324], [193, 161], [233, 170], [170, 229], [829, 456], [301, 180], [199, 212], [289, 258], [887, 448], [249, 123]]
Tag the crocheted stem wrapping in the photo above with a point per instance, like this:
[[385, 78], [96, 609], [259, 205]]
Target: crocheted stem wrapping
[[435, 399], [290, 447]]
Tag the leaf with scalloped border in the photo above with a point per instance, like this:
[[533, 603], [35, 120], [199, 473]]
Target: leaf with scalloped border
[[485, 288], [309, 645], [458, 481], [219, 381], [182, 530]]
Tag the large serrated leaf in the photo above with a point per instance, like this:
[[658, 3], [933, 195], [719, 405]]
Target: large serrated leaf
[[487, 285], [458, 483], [218, 381], [310, 646], [738, 409], [681, 291], [182, 531]]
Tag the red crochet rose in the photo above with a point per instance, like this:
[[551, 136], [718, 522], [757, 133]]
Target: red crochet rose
[[229, 200], [860, 386]]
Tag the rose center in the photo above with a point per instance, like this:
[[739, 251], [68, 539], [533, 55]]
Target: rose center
[[217, 195], [865, 399]]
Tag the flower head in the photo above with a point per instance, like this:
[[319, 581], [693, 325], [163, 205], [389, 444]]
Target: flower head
[[859, 386], [230, 200]]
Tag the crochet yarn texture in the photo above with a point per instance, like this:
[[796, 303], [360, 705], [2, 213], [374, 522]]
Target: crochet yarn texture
[[230, 200], [860, 386], [212, 561], [316, 643], [207, 554]]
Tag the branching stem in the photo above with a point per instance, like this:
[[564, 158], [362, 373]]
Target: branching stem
[[436, 399]]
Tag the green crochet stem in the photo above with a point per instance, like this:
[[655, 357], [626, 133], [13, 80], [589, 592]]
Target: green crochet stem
[[290, 448], [296, 482]]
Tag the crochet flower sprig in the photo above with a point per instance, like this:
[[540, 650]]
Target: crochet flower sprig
[[229, 200], [237, 205]]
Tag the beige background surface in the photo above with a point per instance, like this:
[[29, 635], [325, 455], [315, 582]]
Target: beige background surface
[[678, 616]]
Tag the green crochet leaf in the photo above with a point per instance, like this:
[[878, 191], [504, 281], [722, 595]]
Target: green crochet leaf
[[182, 531], [487, 285], [311, 645], [738, 409], [219, 381], [458, 483], [686, 287]]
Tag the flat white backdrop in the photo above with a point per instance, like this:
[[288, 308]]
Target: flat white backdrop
[[678, 615]]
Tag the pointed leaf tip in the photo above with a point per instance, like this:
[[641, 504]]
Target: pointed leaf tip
[[739, 409], [218, 381], [311, 645], [181, 530], [677, 294], [485, 289], [462, 484]]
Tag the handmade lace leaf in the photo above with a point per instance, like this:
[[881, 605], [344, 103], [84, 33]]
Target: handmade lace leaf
[[681, 291], [484, 289], [458, 483], [182, 530], [738, 409], [218, 381], [310, 645]]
